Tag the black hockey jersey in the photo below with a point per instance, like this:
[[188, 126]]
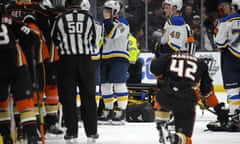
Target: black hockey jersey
[[184, 71], [38, 12], [8, 51]]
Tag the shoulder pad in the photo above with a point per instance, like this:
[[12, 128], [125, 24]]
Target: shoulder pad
[[122, 20], [176, 20], [231, 18]]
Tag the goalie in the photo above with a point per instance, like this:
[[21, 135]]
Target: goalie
[[181, 80]]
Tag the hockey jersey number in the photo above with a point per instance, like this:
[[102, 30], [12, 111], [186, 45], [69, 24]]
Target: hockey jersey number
[[4, 38], [184, 68], [75, 27]]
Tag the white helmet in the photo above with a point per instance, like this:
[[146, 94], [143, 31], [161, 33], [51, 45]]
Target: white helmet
[[177, 3], [113, 4], [236, 3], [47, 3], [58, 3], [85, 5]]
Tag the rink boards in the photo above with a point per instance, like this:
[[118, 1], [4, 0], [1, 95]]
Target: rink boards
[[211, 58]]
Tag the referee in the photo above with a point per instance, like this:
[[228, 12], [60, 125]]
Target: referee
[[74, 34]]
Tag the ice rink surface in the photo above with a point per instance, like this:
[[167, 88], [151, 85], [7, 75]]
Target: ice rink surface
[[146, 133]]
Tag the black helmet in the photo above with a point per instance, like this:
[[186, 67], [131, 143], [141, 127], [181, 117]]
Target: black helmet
[[73, 2], [228, 1], [2, 9], [158, 66], [58, 3]]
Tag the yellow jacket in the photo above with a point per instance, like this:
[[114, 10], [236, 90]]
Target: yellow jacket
[[132, 49]]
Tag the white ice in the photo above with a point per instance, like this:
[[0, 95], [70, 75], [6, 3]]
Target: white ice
[[146, 133]]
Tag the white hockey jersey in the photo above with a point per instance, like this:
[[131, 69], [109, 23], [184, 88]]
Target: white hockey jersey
[[175, 34], [116, 42], [99, 40], [228, 35]]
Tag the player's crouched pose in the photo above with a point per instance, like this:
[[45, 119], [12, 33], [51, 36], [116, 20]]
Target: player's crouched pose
[[182, 78]]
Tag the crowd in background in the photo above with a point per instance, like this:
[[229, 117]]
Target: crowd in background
[[134, 11]]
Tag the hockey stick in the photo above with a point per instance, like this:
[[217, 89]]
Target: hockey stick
[[213, 112], [12, 122], [41, 117]]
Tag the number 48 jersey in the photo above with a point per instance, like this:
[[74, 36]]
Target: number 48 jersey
[[228, 35], [176, 33]]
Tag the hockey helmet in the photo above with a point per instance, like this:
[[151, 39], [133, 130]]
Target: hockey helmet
[[158, 65], [1, 12], [73, 2], [236, 4], [228, 1], [2, 9], [29, 17], [47, 3], [85, 5], [112, 4], [58, 3], [177, 3]]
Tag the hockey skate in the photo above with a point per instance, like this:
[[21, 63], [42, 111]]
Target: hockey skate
[[167, 133], [106, 117], [233, 124], [119, 117], [92, 139], [32, 140], [53, 132], [71, 139]]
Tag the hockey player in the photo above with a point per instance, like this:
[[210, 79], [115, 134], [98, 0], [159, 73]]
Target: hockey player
[[96, 57], [46, 66], [15, 74], [177, 35], [227, 40], [182, 78], [85, 6], [115, 62]]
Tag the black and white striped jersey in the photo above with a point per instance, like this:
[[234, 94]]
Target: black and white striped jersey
[[74, 33]]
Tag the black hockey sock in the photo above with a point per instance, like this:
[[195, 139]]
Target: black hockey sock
[[5, 128], [30, 129], [50, 120]]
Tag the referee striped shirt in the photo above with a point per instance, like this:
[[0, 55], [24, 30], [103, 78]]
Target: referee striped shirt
[[74, 33]]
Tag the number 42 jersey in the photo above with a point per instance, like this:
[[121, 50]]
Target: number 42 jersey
[[185, 71]]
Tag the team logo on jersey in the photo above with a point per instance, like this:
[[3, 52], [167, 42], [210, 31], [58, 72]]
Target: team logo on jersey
[[211, 62]]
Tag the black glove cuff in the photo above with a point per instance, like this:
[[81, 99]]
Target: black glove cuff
[[218, 108]]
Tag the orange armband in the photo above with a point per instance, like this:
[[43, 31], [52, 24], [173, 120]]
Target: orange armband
[[191, 39]]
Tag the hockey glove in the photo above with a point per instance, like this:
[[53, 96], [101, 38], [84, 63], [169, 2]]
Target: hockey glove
[[108, 25], [202, 104], [222, 113]]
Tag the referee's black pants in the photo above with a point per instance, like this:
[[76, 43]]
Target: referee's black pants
[[72, 71]]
